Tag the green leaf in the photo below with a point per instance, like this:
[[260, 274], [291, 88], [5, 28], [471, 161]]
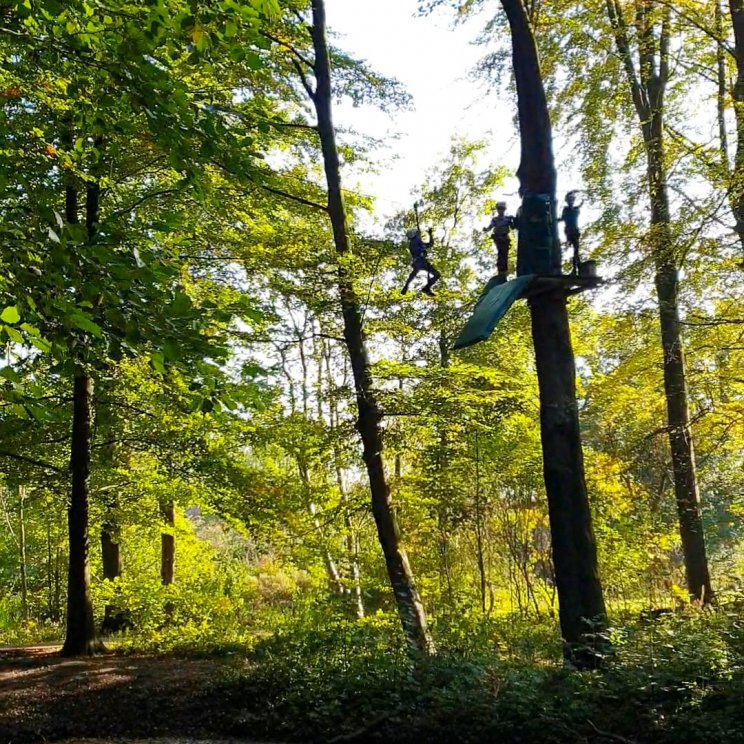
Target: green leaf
[[31, 330], [76, 233], [41, 344], [13, 335], [10, 314], [171, 350], [181, 304], [158, 362], [84, 323], [10, 374], [253, 61]]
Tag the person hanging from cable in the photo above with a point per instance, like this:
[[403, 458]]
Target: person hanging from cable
[[420, 261], [570, 219], [501, 226]]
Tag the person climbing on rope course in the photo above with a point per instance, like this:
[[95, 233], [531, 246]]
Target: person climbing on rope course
[[502, 225], [570, 219], [420, 261]]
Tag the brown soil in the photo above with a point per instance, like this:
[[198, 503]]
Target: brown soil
[[44, 697]]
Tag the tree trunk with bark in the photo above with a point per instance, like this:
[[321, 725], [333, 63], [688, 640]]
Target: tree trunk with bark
[[736, 9], [335, 583], [50, 571], [58, 563], [582, 609], [722, 93], [110, 553], [410, 607], [580, 599], [168, 546], [114, 619], [80, 638], [648, 85], [480, 529], [352, 551], [351, 536], [22, 550]]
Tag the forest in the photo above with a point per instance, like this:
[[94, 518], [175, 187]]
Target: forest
[[251, 489]]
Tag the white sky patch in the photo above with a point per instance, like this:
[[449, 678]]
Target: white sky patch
[[434, 62]]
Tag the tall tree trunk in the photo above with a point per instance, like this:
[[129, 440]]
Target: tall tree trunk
[[334, 576], [680, 439], [410, 607], [58, 583], [443, 521], [582, 609], [168, 545], [80, 638], [648, 89], [22, 550], [335, 581], [479, 525], [580, 600], [113, 617], [50, 569], [352, 551], [351, 536], [722, 92], [736, 9], [110, 553]]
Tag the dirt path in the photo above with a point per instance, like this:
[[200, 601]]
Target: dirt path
[[46, 698]]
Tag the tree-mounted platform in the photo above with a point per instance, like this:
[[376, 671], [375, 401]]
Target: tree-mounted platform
[[498, 297], [569, 284]]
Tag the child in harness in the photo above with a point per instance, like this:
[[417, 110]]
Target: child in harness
[[502, 225], [419, 260]]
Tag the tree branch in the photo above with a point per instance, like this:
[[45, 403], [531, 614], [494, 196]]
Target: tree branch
[[33, 461], [289, 48], [293, 197], [303, 78], [292, 125], [664, 51], [620, 32], [140, 201], [713, 35], [612, 737]]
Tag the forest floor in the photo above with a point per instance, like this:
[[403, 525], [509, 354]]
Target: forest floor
[[44, 697], [332, 688]]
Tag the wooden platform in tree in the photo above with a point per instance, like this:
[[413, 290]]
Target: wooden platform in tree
[[568, 283], [498, 299]]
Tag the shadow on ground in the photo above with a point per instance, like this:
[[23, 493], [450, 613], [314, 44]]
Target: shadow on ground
[[46, 698]]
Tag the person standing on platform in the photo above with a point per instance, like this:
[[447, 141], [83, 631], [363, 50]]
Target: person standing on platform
[[570, 219], [501, 226]]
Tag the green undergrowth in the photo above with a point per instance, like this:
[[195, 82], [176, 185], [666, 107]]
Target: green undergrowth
[[677, 678], [17, 631]]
